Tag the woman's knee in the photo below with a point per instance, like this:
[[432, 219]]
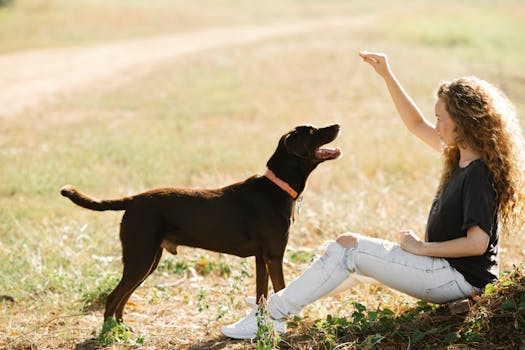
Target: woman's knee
[[347, 240]]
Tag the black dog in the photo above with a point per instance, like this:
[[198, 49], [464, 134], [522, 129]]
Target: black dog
[[249, 218]]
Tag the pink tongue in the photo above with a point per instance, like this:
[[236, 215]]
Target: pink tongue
[[324, 153]]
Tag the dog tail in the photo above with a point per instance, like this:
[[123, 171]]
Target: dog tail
[[88, 202]]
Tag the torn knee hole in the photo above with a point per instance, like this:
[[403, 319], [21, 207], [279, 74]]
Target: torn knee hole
[[346, 240]]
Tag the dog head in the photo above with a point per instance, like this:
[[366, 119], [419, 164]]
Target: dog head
[[306, 142], [300, 151]]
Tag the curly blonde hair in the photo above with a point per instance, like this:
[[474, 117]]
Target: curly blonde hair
[[486, 121]]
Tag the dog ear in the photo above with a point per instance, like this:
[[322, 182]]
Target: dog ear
[[294, 144], [287, 140], [290, 142]]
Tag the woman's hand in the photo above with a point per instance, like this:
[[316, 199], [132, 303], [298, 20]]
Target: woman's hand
[[378, 61], [409, 241]]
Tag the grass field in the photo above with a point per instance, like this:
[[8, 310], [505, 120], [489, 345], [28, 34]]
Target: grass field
[[207, 119]]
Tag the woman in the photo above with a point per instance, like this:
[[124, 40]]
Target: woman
[[480, 194]]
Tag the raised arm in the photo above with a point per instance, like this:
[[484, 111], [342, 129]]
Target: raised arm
[[405, 106]]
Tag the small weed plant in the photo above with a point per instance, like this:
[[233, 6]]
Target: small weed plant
[[202, 303], [267, 337], [116, 332]]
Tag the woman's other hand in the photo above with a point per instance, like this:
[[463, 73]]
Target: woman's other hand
[[378, 61]]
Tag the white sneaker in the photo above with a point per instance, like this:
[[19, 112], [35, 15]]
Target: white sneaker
[[246, 328], [250, 301]]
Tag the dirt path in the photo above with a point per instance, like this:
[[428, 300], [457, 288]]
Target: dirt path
[[31, 77]]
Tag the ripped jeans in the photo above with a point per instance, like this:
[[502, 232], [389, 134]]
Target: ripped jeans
[[371, 260]]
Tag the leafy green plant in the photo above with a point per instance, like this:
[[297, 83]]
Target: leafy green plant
[[371, 327], [113, 332], [117, 332], [267, 337]]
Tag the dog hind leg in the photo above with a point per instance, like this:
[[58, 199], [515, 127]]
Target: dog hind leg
[[136, 269], [120, 307]]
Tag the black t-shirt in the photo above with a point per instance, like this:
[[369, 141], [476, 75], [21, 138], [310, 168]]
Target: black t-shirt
[[467, 199]]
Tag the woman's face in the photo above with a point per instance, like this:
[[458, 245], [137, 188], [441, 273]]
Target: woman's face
[[445, 126]]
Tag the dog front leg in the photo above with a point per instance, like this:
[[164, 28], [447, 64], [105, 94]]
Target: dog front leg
[[261, 278], [275, 268]]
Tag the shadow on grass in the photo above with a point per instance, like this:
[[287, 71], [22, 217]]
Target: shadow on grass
[[218, 343], [211, 344], [89, 344]]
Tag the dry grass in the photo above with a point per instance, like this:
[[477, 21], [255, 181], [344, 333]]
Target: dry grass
[[204, 121]]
